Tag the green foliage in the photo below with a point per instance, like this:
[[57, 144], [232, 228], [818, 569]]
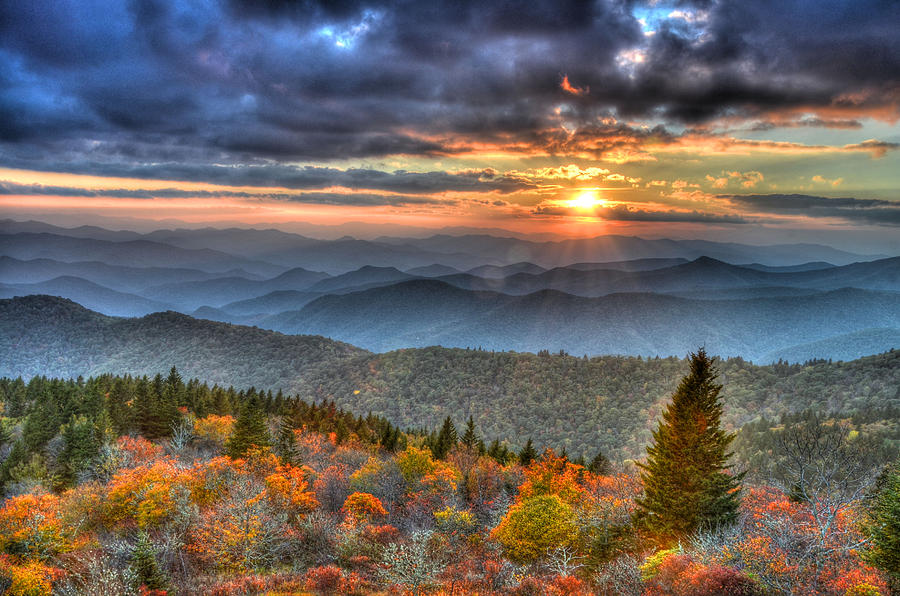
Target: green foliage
[[249, 429], [80, 448], [143, 562], [445, 441], [528, 453], [535, 525], [686, 481], [882, 525]]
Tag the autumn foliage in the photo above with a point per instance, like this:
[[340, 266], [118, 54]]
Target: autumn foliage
[[328, 509]]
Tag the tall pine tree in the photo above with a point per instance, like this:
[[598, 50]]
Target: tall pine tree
[[686, 479], [249, 429]]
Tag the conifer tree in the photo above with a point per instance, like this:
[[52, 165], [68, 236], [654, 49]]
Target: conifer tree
[[249, 428], [286, 442], [528, 453], [446, 439], [600, 464], [143, 561], [686, 480], [469, 438]]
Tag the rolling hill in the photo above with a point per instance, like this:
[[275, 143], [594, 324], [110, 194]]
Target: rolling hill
[[582, 404], [427, 312], [45, 335]]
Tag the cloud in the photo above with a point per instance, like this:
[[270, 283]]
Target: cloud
[[321, 198], [626, 213], [309, 177], [870, 211], [566, 86], [245, 82]]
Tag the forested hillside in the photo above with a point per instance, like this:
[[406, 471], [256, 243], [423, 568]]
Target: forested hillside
[[44, 335], [579, 404], [563, 401]]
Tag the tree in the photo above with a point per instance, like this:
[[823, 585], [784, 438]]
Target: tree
[[686, 476], [469, 438], [446, 439], [882, 527], [528, 453], [143, 561], [249, 429], [600, 464]]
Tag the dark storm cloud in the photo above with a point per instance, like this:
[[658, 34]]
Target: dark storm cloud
[[243, 81], [874, 211]]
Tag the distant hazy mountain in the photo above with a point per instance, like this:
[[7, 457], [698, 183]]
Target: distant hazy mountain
[[132, 253], [633, 265], [701, 274], [497, 272], [88, 294], [273, 302], [848, 346], [223, 290], [425, 312], [42, 335], [461, 252], [434, 270], [117, 277], [624, 248], [813, 266], [367, 276]]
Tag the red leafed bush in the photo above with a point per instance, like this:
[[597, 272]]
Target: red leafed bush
[[327, 579], [680, 575]]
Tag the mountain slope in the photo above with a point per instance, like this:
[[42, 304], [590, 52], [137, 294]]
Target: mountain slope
[[609, 402], [44, 335], [116, 277], [132, 253], [88, 294], [190, 295], [426, 312]]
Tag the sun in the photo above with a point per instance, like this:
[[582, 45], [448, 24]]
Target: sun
[[587, 200]]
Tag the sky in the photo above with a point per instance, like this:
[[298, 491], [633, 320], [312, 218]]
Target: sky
[[766, 121]]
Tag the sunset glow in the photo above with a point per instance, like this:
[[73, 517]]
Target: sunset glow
[[337, 118], [587, 201]]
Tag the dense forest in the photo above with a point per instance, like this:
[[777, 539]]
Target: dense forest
[[574, 403], [161, 485]]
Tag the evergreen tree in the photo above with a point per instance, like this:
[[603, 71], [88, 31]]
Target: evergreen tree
[[469, 438], [143, 561], [686, 481], [446, 439], [286, 442], [882, 527], [249, 428], [528, 453], [80, 447], [600, 464]]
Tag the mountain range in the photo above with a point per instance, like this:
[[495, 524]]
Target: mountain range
[[603, 295], [582, 404]]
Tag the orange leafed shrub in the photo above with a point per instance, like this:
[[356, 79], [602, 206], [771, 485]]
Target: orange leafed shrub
[[139, 450], [213, 428], [363, 507], [28, 579], [288, 490], [145, 495], [553, 475], [31, 525], [679, 575]]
